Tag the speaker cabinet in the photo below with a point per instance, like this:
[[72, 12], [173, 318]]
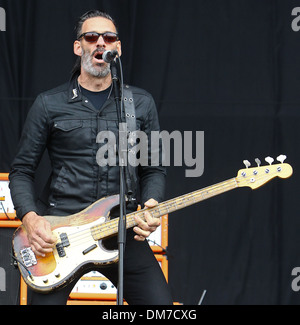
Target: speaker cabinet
[[9, 274], [10, 284]]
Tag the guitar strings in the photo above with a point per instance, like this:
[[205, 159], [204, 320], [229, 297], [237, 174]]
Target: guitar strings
[[111, 227], [211, 191]]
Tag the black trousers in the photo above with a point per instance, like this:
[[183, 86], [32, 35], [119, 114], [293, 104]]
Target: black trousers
[[144, 282]]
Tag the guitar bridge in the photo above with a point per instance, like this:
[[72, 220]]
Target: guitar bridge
[[28, 257]]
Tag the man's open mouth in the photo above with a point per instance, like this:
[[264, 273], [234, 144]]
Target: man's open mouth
[[98, 56]]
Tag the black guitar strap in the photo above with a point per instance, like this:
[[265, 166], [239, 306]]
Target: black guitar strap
[[129, 110]]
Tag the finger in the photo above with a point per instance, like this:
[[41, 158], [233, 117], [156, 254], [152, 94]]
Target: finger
[[46, 235], [49, 240], [44, 244], [141, 232], [151, 203], [143, 224], [39, 250], [39, 245], [139, 238], [52, 238], [152, 222], [36, 250]]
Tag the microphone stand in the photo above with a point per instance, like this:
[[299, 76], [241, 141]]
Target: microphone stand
[[122, 164]]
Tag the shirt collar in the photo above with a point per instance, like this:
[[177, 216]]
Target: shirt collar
[[74, 94]]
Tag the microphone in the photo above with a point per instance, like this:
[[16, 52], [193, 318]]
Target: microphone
[[109, 56]]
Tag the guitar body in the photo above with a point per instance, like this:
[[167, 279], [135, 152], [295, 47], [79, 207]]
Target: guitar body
[[75, 250]]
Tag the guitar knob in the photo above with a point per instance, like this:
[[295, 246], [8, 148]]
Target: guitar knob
[[247, 163], [258, 162], [281, 158], [269, 160]]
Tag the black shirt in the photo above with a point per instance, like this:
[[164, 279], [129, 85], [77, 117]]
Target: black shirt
[[97, 98]]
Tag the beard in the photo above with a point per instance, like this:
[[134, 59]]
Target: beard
[[101, 70]]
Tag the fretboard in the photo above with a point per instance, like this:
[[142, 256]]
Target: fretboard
[[110, 228]]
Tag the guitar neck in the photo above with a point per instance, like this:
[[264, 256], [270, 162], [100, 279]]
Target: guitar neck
[[110, 228]]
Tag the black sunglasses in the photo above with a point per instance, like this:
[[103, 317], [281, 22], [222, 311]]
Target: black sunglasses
[[92, 37]]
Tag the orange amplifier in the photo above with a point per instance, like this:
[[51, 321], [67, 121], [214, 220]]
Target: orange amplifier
[[94, 288], [7, 211], [158, 240]]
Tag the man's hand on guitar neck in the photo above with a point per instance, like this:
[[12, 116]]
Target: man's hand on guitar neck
[[145, 228], [39, 233]]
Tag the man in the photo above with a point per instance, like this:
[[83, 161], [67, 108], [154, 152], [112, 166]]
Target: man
[[66, 121]]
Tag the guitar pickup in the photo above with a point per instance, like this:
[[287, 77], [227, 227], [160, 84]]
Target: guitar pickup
[[64, 239], [61, 246], [60, 250]]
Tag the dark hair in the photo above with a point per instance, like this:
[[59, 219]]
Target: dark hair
[[91, 14], [78, 29]]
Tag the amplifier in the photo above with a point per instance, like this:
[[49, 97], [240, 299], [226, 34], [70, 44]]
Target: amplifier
[[7, 210], [158, 240], [94, 286], [9, 274], [94, 282]]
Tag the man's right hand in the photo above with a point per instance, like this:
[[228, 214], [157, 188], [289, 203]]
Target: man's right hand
[[39, 233]]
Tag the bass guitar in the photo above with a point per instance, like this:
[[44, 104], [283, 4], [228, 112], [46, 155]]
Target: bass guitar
[[80, 235]]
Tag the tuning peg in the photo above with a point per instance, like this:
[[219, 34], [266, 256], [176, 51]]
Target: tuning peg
[[269, 160], [247, 163], [258, 162], [281, 158]]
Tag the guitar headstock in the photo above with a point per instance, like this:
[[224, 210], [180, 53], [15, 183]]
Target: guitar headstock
[[257, 176]]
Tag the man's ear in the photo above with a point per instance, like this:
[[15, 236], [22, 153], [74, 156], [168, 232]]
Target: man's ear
[[77, 48], [119, 48]]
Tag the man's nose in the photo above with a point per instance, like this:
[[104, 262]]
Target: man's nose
[[100, 41]]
